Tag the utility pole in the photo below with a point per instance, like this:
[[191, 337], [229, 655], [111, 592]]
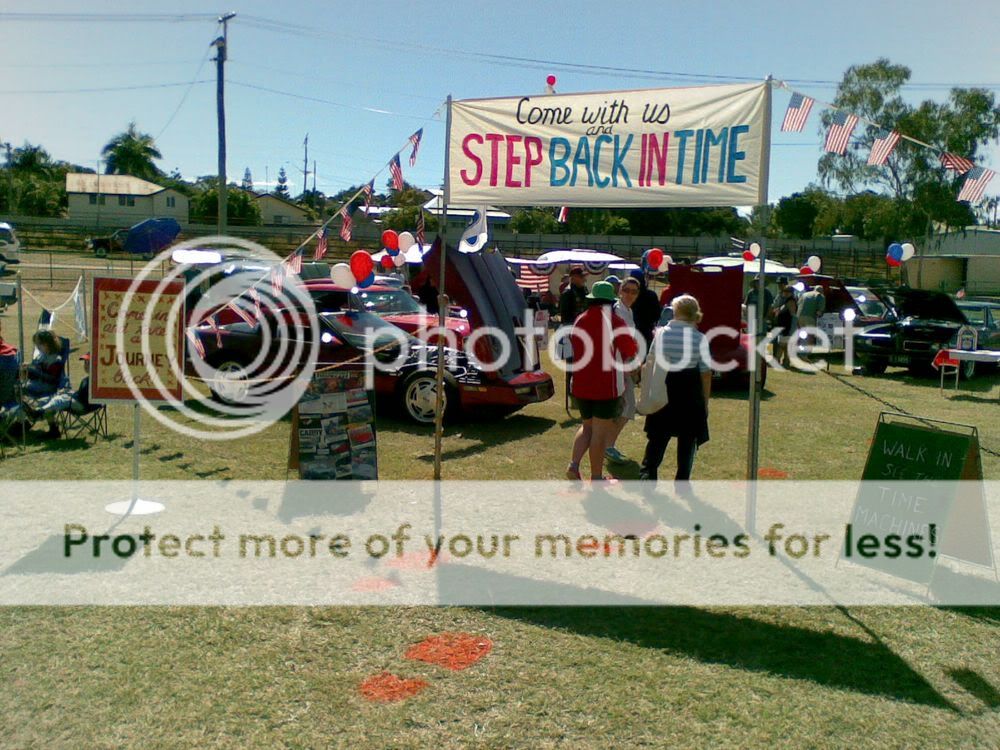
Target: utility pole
[[11, 206], [220, 105], [305, 166], [314, 176]]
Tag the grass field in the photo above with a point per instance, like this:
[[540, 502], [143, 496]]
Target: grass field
[[557, 677]]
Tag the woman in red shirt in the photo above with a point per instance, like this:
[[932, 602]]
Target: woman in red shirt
[[602, 344]]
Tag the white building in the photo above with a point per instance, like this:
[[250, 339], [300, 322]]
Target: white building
[[121, 200]]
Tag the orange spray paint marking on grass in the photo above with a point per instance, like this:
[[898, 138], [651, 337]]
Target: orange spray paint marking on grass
[[373, 584], [767, 472], [387, 688], [454, 651]]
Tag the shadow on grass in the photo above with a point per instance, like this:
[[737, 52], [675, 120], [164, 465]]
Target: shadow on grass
[[974, 683], [488, 434], [982, 382], [50, 558], [825, 658], [737, 393]]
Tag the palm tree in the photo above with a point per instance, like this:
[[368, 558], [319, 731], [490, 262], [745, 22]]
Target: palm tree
[[31, 160], [132, 153]]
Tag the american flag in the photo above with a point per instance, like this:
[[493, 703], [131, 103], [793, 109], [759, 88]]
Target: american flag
[[196, 343], [240, 310], [213, 326], [321, 245], [531, 279], [397, 173], [420, 230], [345, 225], [368, 191], [415, 140], [797, 114], [976, 180], [255, 297], [563, 214], [294, 261], [840, 132], [885, 142], [277, 279], [956, 163]]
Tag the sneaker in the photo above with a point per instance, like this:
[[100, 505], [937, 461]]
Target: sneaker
[[572, 474], [615, 456], [53, 433]]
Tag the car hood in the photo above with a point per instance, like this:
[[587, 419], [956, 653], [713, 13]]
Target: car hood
[[924, 305], [415, 321]]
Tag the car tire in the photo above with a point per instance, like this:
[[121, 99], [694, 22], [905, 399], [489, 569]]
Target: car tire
[[418, 397], [232, 389], [874, 366]]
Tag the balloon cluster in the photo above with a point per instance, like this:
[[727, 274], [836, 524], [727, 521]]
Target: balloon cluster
[[752, 251], [396, 246], [360, 272], [812, 265], [655, 260], [897, 254]]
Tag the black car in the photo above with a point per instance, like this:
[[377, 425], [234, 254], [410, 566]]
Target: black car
[[919, 323]]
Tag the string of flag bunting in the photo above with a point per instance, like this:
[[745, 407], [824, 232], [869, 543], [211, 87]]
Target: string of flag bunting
[[842, 127], [293, 263]]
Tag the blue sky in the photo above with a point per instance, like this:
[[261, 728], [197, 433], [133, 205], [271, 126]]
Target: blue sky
[[406, 57]]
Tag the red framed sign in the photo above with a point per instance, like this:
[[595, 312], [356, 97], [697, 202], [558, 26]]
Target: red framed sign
[[108, 364]]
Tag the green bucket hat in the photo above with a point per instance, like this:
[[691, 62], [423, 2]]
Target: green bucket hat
[[602, 291]]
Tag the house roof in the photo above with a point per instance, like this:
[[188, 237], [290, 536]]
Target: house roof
[[433, 207], [261, 196], [109, 184]]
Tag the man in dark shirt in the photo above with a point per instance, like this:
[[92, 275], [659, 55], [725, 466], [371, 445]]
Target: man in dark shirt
[[646, 309], [573, 300], [77, 401]]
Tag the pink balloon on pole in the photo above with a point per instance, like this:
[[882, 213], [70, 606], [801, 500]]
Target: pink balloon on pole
[[655, 257], [361, 264], [390, 240]]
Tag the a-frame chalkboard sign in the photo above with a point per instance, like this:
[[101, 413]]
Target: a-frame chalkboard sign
[[905, 453]]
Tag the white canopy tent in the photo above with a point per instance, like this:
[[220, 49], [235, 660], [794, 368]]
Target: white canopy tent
[[771, 267]]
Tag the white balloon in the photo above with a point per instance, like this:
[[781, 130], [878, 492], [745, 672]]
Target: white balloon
[[399, 260], [754, 249], [406, 241], [908, 251], [665, 265], [814, 263], [341, 275]]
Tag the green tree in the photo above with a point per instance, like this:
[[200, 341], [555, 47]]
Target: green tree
[[796, 215], [535, 221], [410, 195], [133, 153], [241, 208], [281, 189], [31, 160], [404, 219], [924, 191]]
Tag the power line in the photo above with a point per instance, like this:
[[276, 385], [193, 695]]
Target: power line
[[303, 97], [187, 91], [108, 64], [102, 88], [539, 63], [109, 17]]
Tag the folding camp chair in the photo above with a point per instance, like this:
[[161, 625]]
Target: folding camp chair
[[10, 399], [92, 421]]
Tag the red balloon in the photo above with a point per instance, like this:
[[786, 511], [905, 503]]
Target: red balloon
[[806, 271], [362, 265], [390, 240], [551, 80], [893, 262], [655, 258], [747, 255], [387, 263]]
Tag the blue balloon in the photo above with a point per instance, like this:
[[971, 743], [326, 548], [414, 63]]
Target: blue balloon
[[392, 253], [895, 251], [368, 281]]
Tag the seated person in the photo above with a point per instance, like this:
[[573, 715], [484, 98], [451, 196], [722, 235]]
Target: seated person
[[77, 401], [10, 366], [45, 372]]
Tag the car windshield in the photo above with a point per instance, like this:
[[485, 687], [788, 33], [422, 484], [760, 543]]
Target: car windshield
[[976, 314], [6, 236], [360, 328], [383, 302], [330, 300]]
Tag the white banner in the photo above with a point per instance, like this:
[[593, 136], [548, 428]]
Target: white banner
[[700, 146]]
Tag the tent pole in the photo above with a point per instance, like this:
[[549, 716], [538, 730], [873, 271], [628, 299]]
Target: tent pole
[[442, 306]]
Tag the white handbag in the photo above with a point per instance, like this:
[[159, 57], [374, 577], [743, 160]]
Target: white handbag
[[653, 388]]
